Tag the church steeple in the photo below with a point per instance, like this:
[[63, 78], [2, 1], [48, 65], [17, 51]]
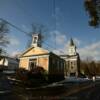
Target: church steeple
[[72, 47], [36, 40], [71, 42]]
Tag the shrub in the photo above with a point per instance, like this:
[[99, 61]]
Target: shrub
[[21, 74], [34, 77]]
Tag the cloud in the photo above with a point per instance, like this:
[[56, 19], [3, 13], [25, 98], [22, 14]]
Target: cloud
[[14, 41], [88, 51], [58, 37], [62, 42], [77, 41], [92, 50], [15, 53], [14, 46]]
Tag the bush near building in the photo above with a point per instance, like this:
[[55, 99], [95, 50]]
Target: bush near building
[[33, 78]]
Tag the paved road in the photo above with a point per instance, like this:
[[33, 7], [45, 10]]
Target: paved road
[[92, 93], [60, 91], [6, 89], [85, 91], [4, 83], [63, 91]]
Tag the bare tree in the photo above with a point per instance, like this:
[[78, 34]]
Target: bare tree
[[37, 29], [98, 67], [3, 36], [92, 67], [84, 68]]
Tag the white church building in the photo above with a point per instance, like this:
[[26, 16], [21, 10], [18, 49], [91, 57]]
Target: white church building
[[72, 60]]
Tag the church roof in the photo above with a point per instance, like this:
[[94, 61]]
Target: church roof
[[34, 51]]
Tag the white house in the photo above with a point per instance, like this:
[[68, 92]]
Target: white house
[[8, 63]]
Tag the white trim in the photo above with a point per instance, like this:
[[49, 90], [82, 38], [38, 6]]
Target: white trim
[[34, 57], [73, 59], [70, 59]]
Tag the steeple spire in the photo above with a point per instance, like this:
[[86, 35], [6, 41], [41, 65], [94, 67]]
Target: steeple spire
[[71, 42], [72, 47]]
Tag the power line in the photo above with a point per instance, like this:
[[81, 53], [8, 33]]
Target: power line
[[55, 16], [23, 31], [13, 26]]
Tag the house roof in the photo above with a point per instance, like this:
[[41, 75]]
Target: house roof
[[10, 59]]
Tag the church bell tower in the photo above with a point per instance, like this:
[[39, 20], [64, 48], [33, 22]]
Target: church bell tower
[[36, 40], [72, 48], [73, 60]]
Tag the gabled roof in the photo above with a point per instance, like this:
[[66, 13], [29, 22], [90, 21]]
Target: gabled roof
[[34, 51]]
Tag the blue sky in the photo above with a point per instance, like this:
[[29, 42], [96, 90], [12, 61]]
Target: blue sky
[[72, 21]]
